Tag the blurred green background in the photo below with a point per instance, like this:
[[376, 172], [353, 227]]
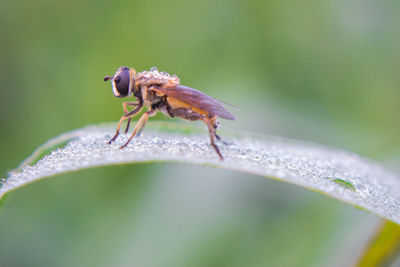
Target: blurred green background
[[322, 71]]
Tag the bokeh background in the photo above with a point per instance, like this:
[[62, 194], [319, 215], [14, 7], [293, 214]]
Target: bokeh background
[[321, 71]]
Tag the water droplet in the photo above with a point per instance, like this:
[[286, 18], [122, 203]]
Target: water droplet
[[166, 74]]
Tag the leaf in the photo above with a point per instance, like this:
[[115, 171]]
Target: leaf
[[337, 173], [381, 251]]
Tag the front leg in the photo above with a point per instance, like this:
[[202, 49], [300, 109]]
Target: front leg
[[140, 124], [124, 117], [126, 111]]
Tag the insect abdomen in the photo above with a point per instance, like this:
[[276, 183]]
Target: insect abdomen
[[177, 104]]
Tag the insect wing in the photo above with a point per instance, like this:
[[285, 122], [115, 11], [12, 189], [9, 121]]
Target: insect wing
[[196, 99]]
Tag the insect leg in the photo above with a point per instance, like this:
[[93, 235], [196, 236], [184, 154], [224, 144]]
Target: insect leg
[[126, 111], [211, 131], [140, 124], [124, 117], [215, 125]]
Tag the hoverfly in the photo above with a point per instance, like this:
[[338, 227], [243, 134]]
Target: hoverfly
[[161, 92]]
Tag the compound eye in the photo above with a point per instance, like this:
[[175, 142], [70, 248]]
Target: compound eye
[[122, 83]]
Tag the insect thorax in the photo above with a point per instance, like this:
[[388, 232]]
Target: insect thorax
[[156, 77]]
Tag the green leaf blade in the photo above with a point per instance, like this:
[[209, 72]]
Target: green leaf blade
[[337, 173]]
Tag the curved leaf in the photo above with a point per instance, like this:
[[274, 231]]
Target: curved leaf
[[337, 173], [381, 251]]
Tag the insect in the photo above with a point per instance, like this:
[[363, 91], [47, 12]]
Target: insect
[[161, 92]]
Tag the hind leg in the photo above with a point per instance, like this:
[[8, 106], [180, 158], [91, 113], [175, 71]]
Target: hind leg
[[215, 125], [212, 126]]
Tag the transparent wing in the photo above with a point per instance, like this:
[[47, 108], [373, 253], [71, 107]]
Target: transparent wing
[[196, 99]]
